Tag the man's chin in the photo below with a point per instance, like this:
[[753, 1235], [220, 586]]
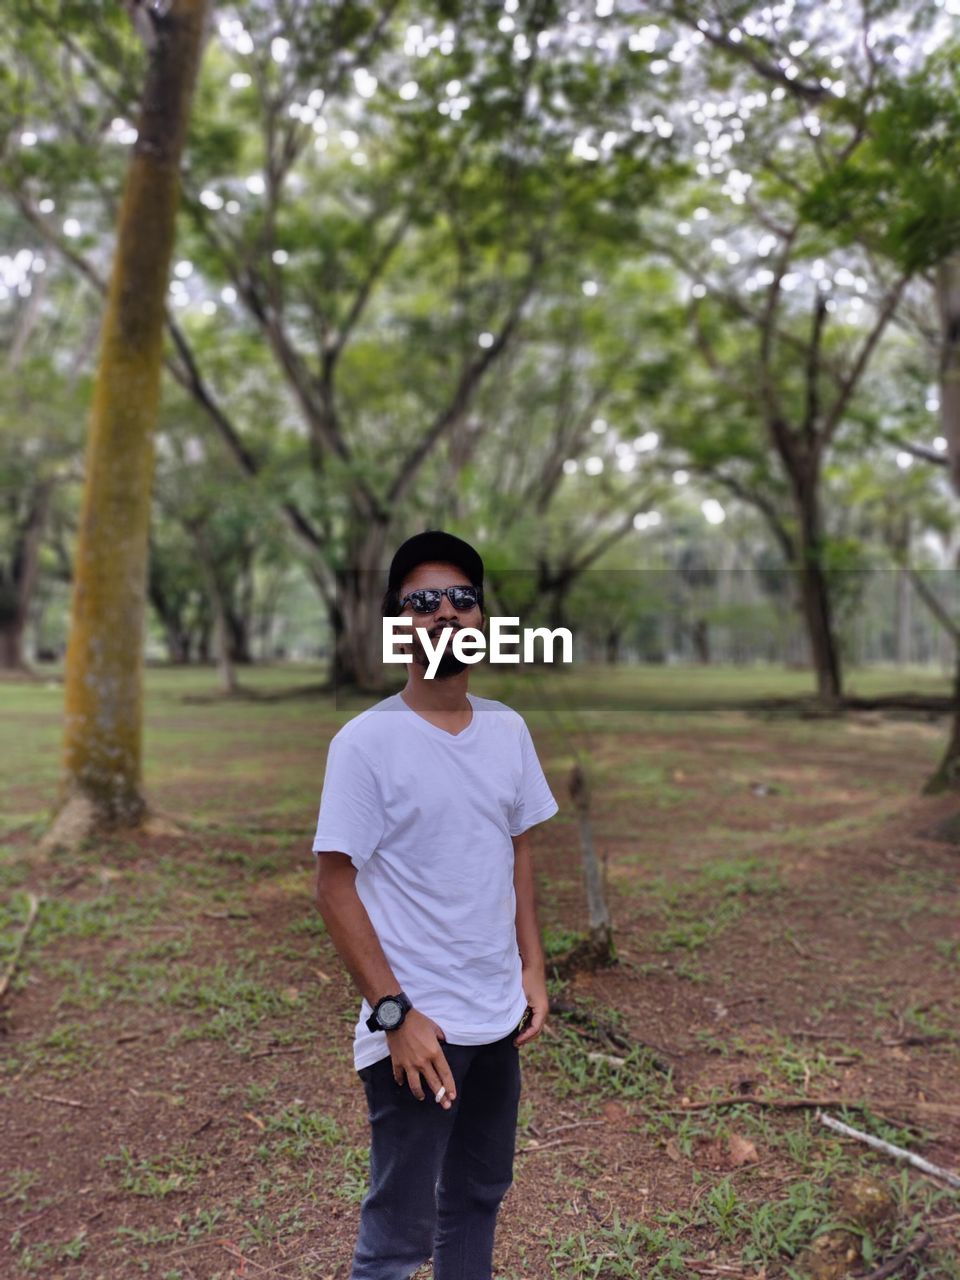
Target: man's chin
[[447, 669], [448, 666]]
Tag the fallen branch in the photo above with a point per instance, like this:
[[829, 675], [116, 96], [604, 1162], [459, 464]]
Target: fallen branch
[[573, 1124], [64, 1102], [915, 1040], [534, 1146], [794, 1104], [704, 1267], [892, 1267], [234, 1252], [823, 1035], [754, 1100], [33, 903], [888, 1148]]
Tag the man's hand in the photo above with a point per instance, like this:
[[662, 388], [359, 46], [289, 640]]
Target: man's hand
[[415, 1051], [535, 989]]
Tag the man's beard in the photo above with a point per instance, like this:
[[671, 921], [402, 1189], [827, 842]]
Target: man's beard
[[449, 664]]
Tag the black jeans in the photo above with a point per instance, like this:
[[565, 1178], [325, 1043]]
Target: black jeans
[[437, 1177]]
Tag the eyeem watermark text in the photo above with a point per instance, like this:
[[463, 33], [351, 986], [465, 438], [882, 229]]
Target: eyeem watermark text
[[469, 644]]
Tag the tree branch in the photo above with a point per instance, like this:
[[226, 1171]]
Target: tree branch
[[470, 379], [849, 384], [929, 598], [925, 453], [812, 409], [609, 540]]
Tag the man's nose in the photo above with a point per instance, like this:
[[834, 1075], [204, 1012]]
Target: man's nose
[[445, 611]]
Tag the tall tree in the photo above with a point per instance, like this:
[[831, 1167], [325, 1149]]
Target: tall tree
[[102, 783], [376, 195]]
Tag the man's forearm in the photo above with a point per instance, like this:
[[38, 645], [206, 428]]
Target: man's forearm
[[528, 928], [355, 939]]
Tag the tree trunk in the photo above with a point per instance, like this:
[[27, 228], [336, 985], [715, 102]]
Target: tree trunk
[[948, 303], [202, 637], [175, 634], [904, 617], [358, 644], [11, 643], [227, 671], [355, 615], [104, 675], [16, 592], [596, 950], [947, 774], [218, 607], [701, 641], [237, 624], [178, 645], [814, 592], [238, 610]]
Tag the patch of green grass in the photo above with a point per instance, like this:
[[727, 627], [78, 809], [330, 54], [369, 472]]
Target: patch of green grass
[[311, 925], [266, 1228], [259, 865], [254, 1093], [301, 1131], [796, 1066], [36, 1258], [699, 907], [691, 928], [577, 1068], [557, 941], [156, 1177], [618, 1251], [17, 1185], [145, 1237], [14, 873], [738, 1215], [296, 1134], [60, 1052], [352, 1179], [225, 999]]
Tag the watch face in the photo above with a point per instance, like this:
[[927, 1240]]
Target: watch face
[[390, 1014]]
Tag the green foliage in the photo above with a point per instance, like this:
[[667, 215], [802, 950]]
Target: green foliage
[[901, 189]]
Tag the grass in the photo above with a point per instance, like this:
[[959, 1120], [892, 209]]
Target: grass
[[158, 1176], [213, 943], [620, 1251]]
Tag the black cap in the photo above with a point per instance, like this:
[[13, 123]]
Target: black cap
[[435, 544]]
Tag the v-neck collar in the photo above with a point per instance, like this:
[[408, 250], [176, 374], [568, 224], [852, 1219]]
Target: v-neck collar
[[435, 730]]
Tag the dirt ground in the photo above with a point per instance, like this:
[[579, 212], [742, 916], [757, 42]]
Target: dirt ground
[[177, 1097]]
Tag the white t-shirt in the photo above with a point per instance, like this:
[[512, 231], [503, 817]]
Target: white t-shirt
[[426, 818]]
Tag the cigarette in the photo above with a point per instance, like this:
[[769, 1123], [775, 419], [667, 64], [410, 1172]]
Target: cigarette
[[441, 1093]]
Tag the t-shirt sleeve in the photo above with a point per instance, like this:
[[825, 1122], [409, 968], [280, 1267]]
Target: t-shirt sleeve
[[535, 802], [351, 810]]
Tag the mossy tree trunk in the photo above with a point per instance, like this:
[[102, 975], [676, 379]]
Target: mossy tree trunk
[[102, 783], [947, 774]]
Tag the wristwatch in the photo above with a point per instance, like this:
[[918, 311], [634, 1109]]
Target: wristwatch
[[389, 1013]]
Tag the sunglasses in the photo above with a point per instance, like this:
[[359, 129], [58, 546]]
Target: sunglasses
[[427, 599]]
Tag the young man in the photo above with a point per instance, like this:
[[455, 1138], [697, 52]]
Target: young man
[[425, 883]]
